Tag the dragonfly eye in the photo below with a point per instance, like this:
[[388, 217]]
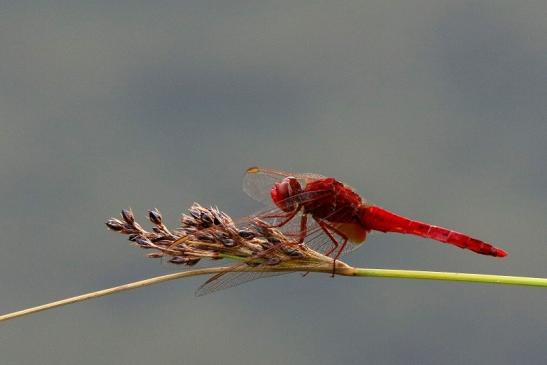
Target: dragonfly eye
[[283, 191]]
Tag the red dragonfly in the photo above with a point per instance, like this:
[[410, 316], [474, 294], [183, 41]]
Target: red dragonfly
[[330, 217], [338, 210]]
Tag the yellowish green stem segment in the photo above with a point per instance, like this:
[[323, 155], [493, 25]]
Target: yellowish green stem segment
[[452, 276]]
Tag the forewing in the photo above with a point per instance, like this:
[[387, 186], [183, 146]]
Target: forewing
[[274, 215], [308, 176], [258, 181]]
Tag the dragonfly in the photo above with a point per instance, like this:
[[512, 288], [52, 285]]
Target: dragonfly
[[330, 217]]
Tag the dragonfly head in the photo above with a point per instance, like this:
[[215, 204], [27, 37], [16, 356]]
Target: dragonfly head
[[285, 193]]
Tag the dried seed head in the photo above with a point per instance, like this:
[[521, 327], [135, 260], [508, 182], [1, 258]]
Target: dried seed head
[[195, 212], [159, 238], [128, 216], [205, 237], [143, 242], [274, 240], [293, 252], [155, 216], [216, 219], [246, 234], [211, 234], [228, 242], [178, 260], [273, 260], [206, 218], [114, 224], [262, 227], [187, 221], [219, 235]]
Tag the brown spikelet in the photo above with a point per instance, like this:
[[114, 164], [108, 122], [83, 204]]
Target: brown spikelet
[[210, 233]]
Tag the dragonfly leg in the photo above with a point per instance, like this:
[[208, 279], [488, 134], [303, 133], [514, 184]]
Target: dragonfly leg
[[326, 227], [303, 233], [303, 228], [287, 218]]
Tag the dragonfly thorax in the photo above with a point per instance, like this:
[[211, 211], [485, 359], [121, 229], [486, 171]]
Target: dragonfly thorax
[[333, 201], [283, 191]]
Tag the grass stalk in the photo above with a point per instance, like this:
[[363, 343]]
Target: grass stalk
[[341, 269]]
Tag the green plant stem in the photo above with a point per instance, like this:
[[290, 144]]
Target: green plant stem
[[451, 276], [341, 269]]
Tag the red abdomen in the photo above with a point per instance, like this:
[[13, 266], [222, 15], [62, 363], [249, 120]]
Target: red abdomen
[[379, 219]]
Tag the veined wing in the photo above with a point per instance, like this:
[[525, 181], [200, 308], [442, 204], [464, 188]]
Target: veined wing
[[244, 272], [316, 236], [289, 223], [236, 275], [275, 216], [258, 181], [322, 238]]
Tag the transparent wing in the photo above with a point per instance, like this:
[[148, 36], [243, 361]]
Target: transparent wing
[[308, 176], [230, 279], [297, 226], [243, 273], [278, 218], [308, 230], [323, 238], [315, 238], [258, 181], [289, 223], [318, 240]]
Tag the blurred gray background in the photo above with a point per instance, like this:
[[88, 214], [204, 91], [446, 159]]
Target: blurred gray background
[[434, 109]]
